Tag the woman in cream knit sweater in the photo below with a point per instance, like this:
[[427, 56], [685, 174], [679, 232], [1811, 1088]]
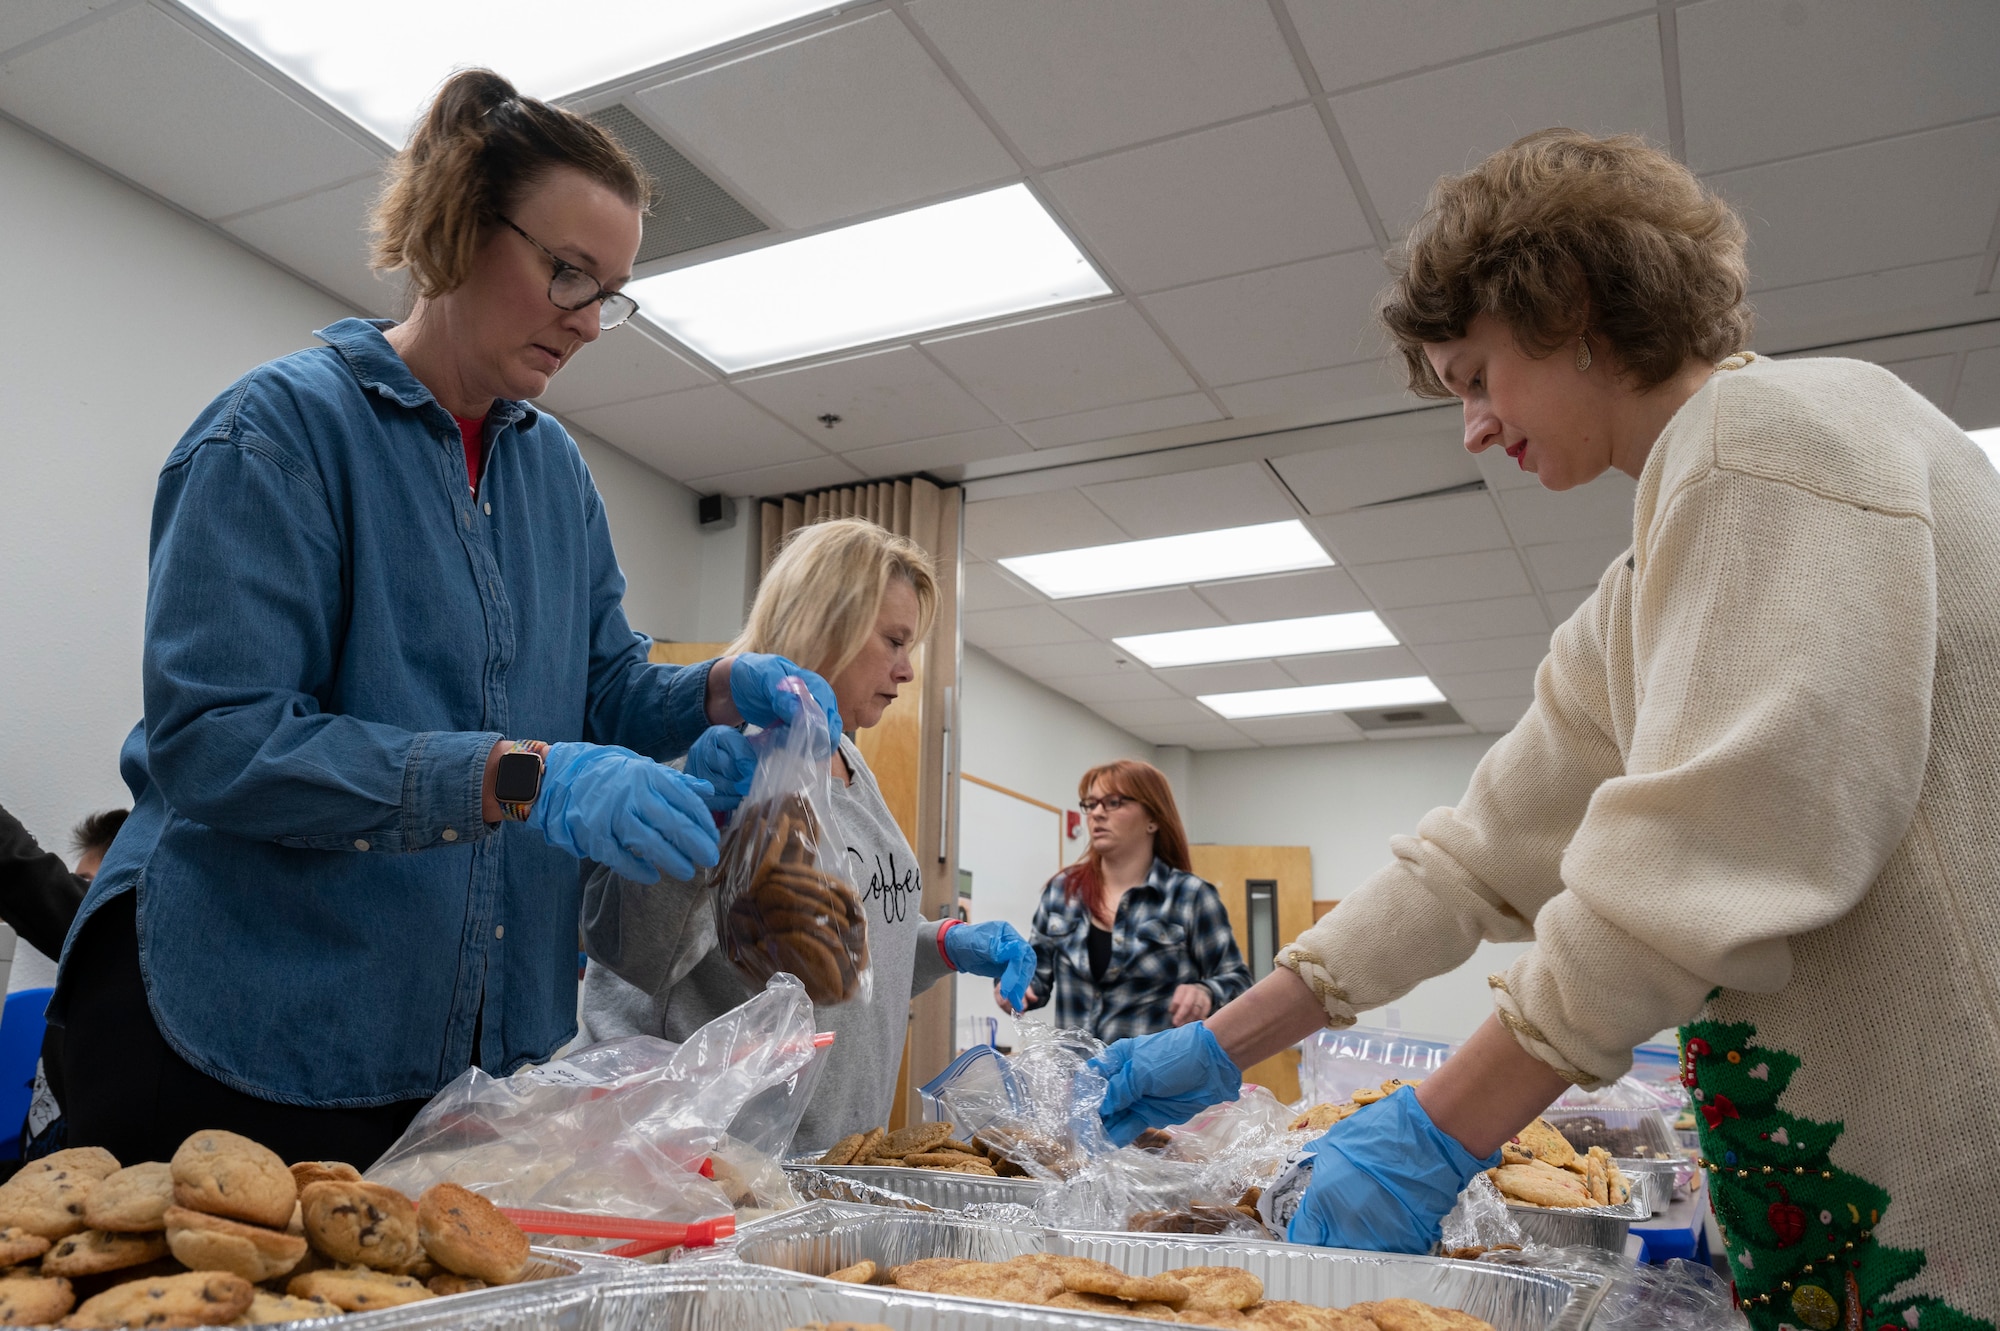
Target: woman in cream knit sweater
[[1757, 795]]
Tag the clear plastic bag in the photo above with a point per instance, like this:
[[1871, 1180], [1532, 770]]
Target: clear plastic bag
[[782, 903], [1037, 1106], [623, 1128], [1336, 1064]]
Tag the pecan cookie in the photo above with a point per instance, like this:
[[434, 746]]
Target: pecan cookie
[[357, 1291], [213, 1243], [227, 1175], [198, 1298], [48, 1195], [465, 1233], [34, 1300], [362, 1224], [95, 1251], [132, 1201]]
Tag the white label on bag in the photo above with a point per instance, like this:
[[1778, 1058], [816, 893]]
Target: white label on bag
[[561, 1073]]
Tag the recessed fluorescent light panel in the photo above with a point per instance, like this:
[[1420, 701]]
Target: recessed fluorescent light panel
[[1247, 642], [1323, 698], [1988, 440], [950, 263], [1169, 561], [380, 60]]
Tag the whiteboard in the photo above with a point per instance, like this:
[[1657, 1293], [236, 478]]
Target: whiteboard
[[1012, 849]]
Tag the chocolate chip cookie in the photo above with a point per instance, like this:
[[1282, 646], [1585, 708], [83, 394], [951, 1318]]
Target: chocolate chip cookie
[[215, 1243], [198, 1298], [362, 1224], [223, 1174], [132, 1201], [465, 1233]]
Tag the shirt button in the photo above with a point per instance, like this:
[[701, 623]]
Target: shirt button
[[449, 834], [489, 510], [361, 843], [499, 931]]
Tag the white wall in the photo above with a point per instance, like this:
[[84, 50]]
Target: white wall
[[156, 314], [1345, 801], [1030, 738]]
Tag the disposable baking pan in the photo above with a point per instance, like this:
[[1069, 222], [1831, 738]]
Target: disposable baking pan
[[820, 1238], [1582, 1226], [937, 1188]]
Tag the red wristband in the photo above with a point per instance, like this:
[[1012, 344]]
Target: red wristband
[[944, 927]]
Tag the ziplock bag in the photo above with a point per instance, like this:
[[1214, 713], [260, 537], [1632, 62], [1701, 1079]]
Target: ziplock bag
[[781, 901], [1037, 1106]]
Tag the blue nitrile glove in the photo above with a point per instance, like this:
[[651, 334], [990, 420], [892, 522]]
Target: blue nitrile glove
[[638, 818], [753, 687], [996, 950], [1383, 1179], [724, 759], [1156, 1081]]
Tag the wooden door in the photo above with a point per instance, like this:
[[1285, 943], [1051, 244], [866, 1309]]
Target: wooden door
[[1280, 879]]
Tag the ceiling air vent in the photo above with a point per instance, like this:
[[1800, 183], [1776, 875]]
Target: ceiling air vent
[[689, 210], [1407, 718]]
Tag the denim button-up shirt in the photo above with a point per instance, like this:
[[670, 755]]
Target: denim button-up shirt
[[337, 631]]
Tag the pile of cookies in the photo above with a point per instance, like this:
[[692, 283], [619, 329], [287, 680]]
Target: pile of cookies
[[789, 914], [227, 1235], [923, 1146], [1219, 1296], [1541, 1168], [1323, 1116]]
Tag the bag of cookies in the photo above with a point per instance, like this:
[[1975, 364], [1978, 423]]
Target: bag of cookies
[[781, 900]]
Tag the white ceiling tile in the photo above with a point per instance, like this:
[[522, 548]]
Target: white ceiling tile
[[324, 237], [884, 397], [1234, 677], [1278, 321], [846, 121], [1207, 737], [1327, 591], [1371, 387], [1065, 80], [1142, 612], [1495, 716], [1405, 134], [940, 455], [25, 20], [1360, 41], [1851, 308], [1977, 406], [1240, 495], [1563, 604], [987, 587], [1567, 565], [146, 97], [1518, 682], [1022, 626], [1499, 617], [1443, 579], [1850, 211], [1602, 508], [1763, 79], [1929, 375], [785, 478], [1483, 655], [1347, 667], [1162, 413], [1349, 476], [1259, 192], [1032, 524], [1059, 660], [1063, 363], [699, 432], [623, 365], [1154, 712], [1126, 685], [1279, 731], [1452, 525]]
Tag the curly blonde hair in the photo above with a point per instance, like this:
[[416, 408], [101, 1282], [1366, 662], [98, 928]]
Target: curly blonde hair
[[1562, 234]]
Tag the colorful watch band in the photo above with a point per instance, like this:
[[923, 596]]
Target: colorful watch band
[[945, 927], [518, 813]]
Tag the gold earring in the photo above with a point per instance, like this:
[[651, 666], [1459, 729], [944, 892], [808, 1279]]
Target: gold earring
[[1583, 351]]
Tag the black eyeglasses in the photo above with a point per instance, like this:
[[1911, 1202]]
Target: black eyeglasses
[[1109, 803], [570, 288]]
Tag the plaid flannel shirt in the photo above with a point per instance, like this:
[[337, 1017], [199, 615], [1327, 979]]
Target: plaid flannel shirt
[[1170, 930]]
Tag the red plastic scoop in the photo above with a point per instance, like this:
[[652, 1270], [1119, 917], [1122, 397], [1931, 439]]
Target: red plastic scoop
[[646, 1235]]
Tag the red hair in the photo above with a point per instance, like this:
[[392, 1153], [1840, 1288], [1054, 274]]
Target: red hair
[[1148, 785]]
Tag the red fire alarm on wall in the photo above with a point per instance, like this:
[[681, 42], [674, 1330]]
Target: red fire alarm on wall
[[1073, 824]]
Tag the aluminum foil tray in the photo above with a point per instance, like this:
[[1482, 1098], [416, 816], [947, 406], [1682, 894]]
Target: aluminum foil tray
[[933, 1187], [1584, 1226], [820, 1238]]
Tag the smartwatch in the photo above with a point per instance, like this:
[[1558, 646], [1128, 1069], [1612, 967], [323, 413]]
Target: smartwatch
[[517, 779]]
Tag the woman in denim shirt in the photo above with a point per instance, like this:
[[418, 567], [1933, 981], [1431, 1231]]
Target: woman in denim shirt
[[383, 622]]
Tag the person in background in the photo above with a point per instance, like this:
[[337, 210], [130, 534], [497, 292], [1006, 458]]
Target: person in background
[[1128, 941], [854, 600], [39, 894], [391, 697], [1753, 797]]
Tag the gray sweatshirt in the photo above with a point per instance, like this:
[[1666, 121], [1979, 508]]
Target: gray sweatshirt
[[655, 967]]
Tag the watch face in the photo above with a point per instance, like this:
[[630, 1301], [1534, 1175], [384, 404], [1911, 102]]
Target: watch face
[[519, 778]]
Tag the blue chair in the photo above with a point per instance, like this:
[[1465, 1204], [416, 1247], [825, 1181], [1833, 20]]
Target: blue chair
[[22, 1024]]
